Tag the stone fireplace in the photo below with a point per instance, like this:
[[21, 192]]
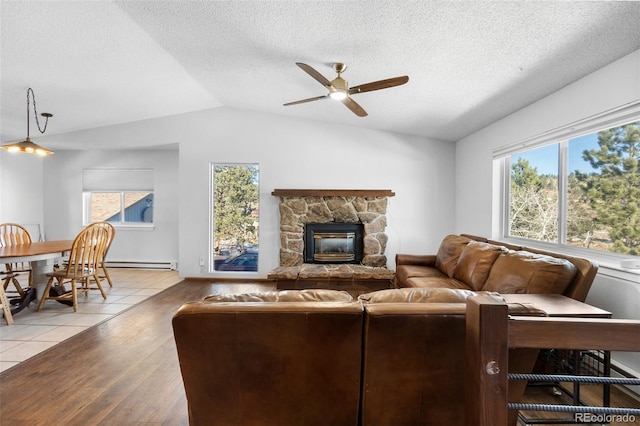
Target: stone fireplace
[[299, 207], [364, 209]]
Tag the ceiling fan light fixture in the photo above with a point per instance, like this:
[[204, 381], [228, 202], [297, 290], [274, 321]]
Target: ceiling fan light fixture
[[339, 89], [26, 145], [338, 95]]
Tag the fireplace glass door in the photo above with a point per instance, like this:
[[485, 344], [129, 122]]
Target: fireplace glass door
[[334, 247], [333, 243]]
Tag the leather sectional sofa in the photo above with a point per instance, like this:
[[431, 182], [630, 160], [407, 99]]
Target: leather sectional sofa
[[317, 357], [475, 263], [278, 358]]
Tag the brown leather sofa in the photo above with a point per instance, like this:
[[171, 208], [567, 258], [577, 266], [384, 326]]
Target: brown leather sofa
[[315, 357], [414, 357], [475, 263], [277, 358]]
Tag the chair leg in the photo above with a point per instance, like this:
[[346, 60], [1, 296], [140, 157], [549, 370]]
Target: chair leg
[[97, 278], [74, 295], [106, 275], [5, 306], [45, 294]]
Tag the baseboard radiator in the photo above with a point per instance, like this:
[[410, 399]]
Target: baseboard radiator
[[169, 265]]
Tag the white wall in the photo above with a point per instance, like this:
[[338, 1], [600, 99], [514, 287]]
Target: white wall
[[609, 87], [21, 188], [63, 201], [612, 86], [292, 153]]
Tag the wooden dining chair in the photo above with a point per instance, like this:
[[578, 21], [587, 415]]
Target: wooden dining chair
[[12, 234], [111, 232], [83, 265]]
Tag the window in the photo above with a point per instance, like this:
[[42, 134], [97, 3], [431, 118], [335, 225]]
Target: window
[[580, 191], [120, 207], [123, 197], [235, 217]]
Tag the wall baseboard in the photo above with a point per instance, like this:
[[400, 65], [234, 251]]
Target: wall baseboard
[[171, 265]]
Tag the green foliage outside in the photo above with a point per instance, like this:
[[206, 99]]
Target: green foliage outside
[[602, 206], [235, 204]]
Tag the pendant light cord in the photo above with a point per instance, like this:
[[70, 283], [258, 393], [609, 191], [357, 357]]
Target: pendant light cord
[[35, 112]]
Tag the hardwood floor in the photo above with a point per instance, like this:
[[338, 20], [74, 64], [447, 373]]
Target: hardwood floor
[[122, 371], [589, 394], [125, 371]]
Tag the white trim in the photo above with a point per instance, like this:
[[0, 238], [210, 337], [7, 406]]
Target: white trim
[[609, 261], [611, 118]]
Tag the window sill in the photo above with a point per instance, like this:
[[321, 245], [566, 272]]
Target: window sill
[[608, 263]]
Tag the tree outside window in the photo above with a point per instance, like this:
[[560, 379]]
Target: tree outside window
[[235, 217], [601, 192]]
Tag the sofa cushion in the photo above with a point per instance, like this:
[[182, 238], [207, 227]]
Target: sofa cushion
[[417, 295], [449, 252], [311, 295], [526, 272], [404, 272], [475, 263], [436, 282]]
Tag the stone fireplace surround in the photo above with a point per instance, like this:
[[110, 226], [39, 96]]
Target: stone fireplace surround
[[300, 206]]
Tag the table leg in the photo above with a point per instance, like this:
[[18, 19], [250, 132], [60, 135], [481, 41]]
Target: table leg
[[40, 269]]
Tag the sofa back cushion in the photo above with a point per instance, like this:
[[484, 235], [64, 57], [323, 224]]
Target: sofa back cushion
[[449, 252], [475, 263], [259, 363], [311, 295], [526, 272], [417, 295]]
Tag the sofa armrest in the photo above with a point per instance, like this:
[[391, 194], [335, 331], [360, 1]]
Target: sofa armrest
[[416, 259]]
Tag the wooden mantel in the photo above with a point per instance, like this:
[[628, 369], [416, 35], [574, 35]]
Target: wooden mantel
[[333, 193]]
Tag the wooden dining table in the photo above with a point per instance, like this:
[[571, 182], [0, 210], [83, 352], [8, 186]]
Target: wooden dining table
[[40, 255]]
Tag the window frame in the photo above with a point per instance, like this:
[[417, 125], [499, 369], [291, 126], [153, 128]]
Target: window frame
[[561, 136], [210, 266], [86, 216]]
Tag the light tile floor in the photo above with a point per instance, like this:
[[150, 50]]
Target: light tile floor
[[34, 332]]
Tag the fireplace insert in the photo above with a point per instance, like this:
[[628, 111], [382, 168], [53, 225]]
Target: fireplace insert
[[333, 242]]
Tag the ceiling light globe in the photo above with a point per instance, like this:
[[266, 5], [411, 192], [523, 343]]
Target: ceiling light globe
[[338, 95]]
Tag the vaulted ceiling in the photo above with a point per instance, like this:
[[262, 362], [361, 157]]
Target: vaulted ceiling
[[470, 63]]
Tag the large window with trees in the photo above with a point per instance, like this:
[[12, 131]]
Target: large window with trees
[[235, 218], [580, 191]]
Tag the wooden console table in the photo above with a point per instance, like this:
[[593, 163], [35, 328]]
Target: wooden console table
[[557, 306]]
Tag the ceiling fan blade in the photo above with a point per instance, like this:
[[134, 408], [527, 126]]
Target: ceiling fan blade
[[377, 85], [355, 107], [302, 101], [315, 74]]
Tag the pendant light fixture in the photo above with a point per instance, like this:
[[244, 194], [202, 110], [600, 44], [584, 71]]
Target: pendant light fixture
[[26, 145]]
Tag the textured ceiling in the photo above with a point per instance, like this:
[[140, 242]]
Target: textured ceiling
[[97, 63]]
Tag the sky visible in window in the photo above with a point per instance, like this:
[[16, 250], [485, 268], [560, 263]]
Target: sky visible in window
[[545, 159]]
